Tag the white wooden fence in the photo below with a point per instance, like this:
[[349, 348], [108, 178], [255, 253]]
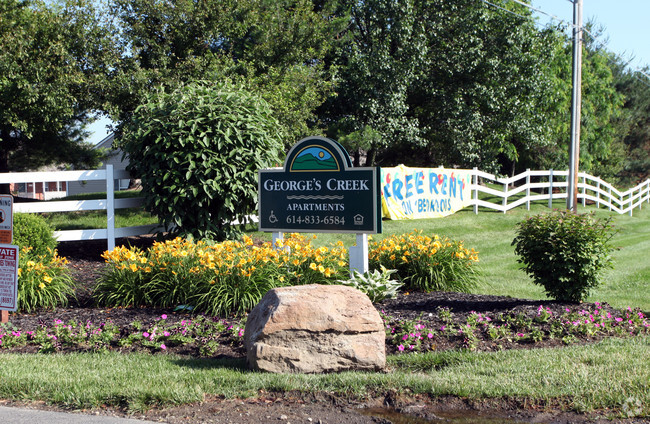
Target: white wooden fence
[[527, 187], [110, 204], [532, 186]]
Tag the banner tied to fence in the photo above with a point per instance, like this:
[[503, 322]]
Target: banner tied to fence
[[412, 193]]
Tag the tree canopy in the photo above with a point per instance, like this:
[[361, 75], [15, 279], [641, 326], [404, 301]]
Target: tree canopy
[[51, 56], [420, 82]]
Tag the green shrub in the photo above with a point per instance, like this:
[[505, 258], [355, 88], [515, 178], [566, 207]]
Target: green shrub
[[32, 230], [427, 263], [377, 285], [564, 252], [43, 280], [197, 151]]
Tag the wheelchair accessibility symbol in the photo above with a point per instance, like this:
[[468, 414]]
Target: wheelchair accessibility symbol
[[272, 218]]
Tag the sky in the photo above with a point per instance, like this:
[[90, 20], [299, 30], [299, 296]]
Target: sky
[[625, 22]]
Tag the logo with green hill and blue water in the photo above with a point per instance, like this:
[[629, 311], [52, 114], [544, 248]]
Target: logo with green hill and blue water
[[314, 158]]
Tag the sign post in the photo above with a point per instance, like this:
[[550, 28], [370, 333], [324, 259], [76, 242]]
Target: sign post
[[318, 190], [8, 280], [8, 259]]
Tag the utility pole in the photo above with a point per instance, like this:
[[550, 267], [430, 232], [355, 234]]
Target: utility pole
[[576, 103]]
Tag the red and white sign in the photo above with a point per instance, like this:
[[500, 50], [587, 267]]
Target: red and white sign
[[6, 218], [8, 277]]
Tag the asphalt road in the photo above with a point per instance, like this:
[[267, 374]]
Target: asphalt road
[[12, 415]]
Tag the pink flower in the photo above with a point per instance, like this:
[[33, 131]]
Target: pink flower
[[166, 334], [163, 316], [430, 335], [145, 334], [400, 348], [163, 347]]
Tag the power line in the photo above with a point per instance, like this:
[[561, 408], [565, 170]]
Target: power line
[[505, 10], [627, 63]]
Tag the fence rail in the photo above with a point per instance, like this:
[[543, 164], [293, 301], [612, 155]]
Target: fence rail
[[110, 204], [527, 187]]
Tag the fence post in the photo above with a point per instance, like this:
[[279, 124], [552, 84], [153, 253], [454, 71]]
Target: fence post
[[528, 189], [609, 191], [504, 202], [598, 193], [584, 191], [550, 189], [110, 207], [631, 201], [475, 191]]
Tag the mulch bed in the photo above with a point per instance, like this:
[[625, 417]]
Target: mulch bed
[[86, 266]]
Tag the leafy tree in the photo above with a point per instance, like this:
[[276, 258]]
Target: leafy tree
[[427, 82], [197, 150], [478, 94], [635, 119], [377, 63], [601, 149], [271, 47], [50, 54]]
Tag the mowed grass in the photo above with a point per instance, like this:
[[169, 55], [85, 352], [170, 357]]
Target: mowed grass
[[491, 233], [83, 220], [612, 375]]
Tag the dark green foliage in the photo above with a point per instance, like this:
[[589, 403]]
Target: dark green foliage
[[31, 230], [197, 150], [564, 252], [51, 59]]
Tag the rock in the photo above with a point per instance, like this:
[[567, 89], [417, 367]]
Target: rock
[[315, 329]]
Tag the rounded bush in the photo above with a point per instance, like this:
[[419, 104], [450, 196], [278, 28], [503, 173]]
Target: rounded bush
[[31, 230], [197, 151], [564, 252]]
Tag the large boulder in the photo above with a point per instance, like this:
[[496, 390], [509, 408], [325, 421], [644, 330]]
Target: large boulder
[[315, 329]]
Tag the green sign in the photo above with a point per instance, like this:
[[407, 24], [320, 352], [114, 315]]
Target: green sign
[[318, 190]]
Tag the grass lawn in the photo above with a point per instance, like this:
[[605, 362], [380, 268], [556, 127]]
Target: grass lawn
[[82, 220], [607, 375]]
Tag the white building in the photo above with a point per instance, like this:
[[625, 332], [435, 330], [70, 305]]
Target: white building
[[114, 157]]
